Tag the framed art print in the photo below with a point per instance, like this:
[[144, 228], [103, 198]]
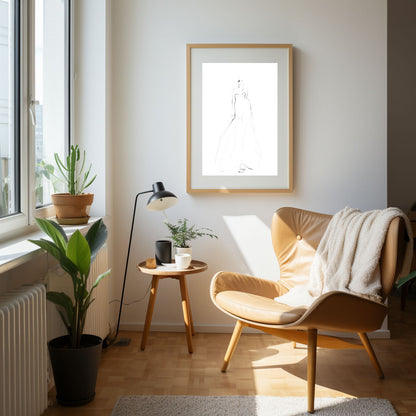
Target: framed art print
[[239, 118]]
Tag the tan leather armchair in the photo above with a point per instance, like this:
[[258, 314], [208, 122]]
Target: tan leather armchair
[[295, 235]]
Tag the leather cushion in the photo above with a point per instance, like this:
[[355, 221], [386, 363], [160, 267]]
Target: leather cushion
[[257, 308], [296, 234]]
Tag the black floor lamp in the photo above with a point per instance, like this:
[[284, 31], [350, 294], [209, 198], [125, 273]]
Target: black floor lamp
[[159, 201]]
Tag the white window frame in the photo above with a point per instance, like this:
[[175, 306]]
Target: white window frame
[[21, 222], [13, 222]]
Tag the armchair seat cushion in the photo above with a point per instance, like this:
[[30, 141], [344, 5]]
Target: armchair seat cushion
[[257, 308]]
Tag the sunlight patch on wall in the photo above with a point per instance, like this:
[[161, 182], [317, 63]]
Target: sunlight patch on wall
[[253, 239]]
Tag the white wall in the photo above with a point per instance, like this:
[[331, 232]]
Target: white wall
[[92, 96], [92, 104], [339, 130]]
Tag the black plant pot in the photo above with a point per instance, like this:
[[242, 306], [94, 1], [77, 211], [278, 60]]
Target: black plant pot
[[75, 369], [163, 251]]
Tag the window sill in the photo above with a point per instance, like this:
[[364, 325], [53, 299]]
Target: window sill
[[18, 251]]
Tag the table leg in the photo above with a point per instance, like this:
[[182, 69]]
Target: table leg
[[189, 309], [150, 306], [186, 312]]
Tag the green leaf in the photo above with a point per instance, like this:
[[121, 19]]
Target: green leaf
[[72, 158], [62, 299], [64, 320], [78, 251], [96, 237], [182, 233], [406, 279], [62, 169], [100, 277], [82, 294], [50, 247], [54, 231], [83, 161], [49, 168], [69, 267], [88, 184], [59, 163], [60, 229]]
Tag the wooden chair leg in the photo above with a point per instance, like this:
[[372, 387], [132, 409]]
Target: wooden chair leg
[[369, 348], [312, 340], [232, 345]]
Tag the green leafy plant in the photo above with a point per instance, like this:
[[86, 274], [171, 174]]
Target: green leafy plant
[[75, 256], [46, 170], [75, 178], [182, 233], [71, 171], [406, 279], [4, 197]]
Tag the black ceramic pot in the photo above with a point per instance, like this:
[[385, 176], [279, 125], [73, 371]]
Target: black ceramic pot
[[163, 251], [75, 369]]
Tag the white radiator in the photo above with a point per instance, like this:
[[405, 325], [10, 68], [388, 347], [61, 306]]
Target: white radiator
[[98, 315], [23, 355]]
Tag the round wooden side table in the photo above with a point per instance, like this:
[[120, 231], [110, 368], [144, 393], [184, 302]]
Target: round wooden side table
[[163, 272]]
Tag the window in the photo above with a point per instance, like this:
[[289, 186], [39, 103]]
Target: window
[[9, 108], [34, 104], [51, 92]]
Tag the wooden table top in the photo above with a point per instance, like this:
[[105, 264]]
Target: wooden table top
[[195, 267]]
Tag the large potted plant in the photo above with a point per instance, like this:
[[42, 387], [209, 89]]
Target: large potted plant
[[73, 206], [182, 233], [75, 356]]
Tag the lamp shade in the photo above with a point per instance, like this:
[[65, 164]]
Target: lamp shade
[[161, 199]]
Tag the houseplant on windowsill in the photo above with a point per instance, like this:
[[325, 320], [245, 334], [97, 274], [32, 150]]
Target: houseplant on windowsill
[[182, 234], [75, 356], [73, 207]]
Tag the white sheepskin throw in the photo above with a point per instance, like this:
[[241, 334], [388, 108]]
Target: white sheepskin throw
[[348, 256]]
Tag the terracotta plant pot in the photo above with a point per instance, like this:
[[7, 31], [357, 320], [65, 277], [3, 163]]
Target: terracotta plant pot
[[72, 209]]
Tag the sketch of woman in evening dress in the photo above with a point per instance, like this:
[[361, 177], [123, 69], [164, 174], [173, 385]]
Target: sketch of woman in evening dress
[[238, 151]]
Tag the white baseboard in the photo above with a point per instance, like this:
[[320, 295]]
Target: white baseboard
[[228, 329]]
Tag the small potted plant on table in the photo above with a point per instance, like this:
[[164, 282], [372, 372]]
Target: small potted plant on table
[[73, 207], [182, 234], [75, 356]]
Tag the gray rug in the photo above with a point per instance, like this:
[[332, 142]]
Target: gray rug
[[247, 406]]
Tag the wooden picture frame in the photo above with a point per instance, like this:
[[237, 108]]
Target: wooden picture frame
[[239, 118]]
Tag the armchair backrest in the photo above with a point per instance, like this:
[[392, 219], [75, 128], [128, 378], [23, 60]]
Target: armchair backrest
[[296, 234], [392, 255]]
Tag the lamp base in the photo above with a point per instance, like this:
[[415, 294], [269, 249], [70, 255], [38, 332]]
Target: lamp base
[[122, 342]]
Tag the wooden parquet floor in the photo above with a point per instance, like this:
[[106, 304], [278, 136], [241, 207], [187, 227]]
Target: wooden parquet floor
[[262, 365]]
